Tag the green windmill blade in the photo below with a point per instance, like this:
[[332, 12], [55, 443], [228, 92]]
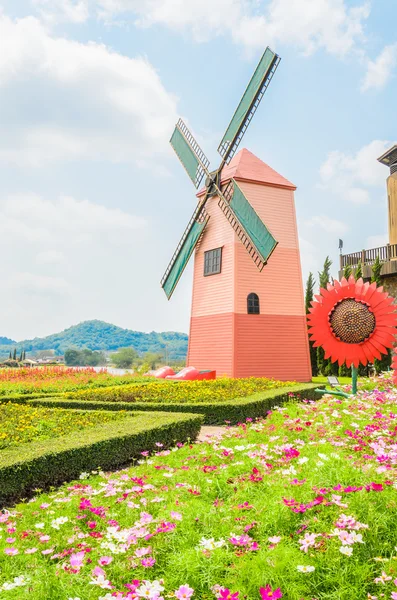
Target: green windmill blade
[[248, 105], [249, 227], [189, 153], [184, 250]]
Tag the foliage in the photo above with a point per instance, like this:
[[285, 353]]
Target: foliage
[[384, 363], [376, 271], [359, 271], [84, 358], [182, 392], [279, 504], [215, 413], [22, 423], [39, 464], [309, 294], [347, 271], [325, 366], [98, 335], [123, 358], [53, 380]]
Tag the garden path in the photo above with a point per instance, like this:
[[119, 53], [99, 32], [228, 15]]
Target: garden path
[[210, 430]]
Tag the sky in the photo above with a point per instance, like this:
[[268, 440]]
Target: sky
[[92, 199]]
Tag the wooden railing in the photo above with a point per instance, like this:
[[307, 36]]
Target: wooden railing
[[368, 257]]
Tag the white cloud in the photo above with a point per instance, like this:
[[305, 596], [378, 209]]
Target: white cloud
[[55, 11], [380, 70], [349, 176], [376, 241], [85, 100], [67, 259], [333, 226], [305, 24]]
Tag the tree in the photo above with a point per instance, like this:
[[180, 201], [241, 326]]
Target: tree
[[14, 356], [21, 356], [347, 271], [308, 298], [376, 270], [72, 357], [10, 357], [325, 366], [124, 357], [359, 271]]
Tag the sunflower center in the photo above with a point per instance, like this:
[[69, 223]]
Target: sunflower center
[[351, 321]]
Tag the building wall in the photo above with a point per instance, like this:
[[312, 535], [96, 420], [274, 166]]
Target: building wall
[[222, 335]]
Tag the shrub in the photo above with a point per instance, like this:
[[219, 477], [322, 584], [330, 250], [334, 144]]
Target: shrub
[[181, 392], [40, 464], [234, 411]]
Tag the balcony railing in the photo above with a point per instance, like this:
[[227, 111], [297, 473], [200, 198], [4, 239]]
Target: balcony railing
[[368, 257]]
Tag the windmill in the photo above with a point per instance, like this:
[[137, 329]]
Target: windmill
[[224, 194]]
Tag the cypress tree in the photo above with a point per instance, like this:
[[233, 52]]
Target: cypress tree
[[15, 354], [10, 357], [308, 298], [325, 366], [21, 356], [347, 271], [359, 271], [376, 270]]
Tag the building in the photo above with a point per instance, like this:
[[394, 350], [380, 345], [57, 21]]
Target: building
[[388, 253]]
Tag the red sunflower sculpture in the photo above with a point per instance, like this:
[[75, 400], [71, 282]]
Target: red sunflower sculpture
[[354, 322]]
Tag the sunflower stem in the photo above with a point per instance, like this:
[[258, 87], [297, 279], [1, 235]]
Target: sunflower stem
[[354, 379]]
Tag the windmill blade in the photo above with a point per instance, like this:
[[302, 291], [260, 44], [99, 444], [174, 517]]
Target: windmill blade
[[248, 104], [249, 227], [189, 153], [184, 249]]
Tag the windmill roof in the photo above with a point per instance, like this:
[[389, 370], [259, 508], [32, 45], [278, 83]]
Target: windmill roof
[[246, 166]]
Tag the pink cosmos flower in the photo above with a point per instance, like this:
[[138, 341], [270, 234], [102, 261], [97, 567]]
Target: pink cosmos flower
[[139, 552], [275, 539], [176, 515], [44, 538], [184, 592], [268, 594], [226, 594], [11, 551], [148, 562], [30, 550], [105, 560], [76, 560], [98, 572], [394, 596], [10, 540], [47, 551]]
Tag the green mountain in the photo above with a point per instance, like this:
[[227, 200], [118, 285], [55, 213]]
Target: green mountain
[[5, 341], [98, 335]]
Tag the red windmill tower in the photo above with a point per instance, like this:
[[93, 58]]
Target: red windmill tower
[[248, 317]]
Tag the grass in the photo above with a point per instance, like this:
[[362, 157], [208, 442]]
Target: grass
[[302, 504]]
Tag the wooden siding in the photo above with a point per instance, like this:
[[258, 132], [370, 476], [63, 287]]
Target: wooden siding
[[276, 208], [392, 204], [272, 346], [214, 294], [211, 343], [278, 285]]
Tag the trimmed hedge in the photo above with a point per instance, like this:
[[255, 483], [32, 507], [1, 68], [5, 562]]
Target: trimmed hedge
[[41, 464], [233, 411], [23, 398]]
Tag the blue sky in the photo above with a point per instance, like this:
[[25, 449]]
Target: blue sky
[[92, 199]]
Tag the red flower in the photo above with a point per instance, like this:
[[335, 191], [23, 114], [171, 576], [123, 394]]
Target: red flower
[[354, 322]]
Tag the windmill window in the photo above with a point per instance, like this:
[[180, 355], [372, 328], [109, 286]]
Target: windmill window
[[253, 304], [212, 261]]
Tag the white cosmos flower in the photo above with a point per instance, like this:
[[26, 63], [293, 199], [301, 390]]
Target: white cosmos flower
[[346, 550], [305, 568]]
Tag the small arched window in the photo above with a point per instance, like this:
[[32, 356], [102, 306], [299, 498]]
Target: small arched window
[[253, 304]]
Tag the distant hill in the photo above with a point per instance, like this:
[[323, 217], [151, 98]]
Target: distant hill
[[98, 335], [4, 341]]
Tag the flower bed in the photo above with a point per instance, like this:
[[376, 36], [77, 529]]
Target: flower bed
[[50, 380], [22, 423], [216, 412], [299, 506], [115, 442], [182, 392]]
